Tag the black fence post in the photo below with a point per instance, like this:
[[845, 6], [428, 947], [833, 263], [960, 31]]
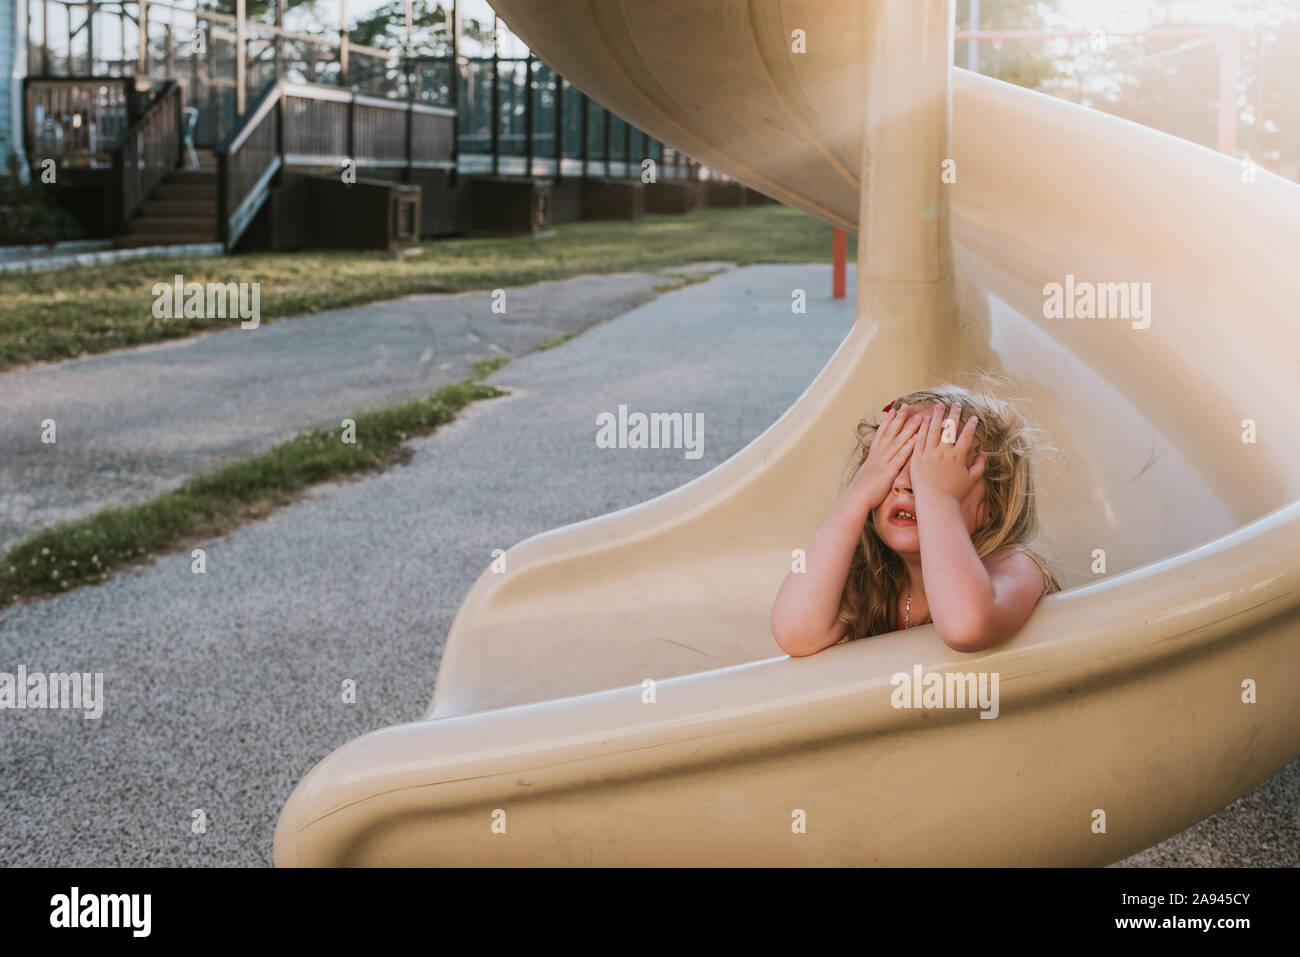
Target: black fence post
[[128, 91], [45, 32], [559, 126], [586, 133], [410, 142], [607, 125], [496, 103], [528, 115], [352, 131], [454, 89]]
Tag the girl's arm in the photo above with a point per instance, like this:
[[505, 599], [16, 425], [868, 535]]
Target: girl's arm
[[804, 612], [975, 604]]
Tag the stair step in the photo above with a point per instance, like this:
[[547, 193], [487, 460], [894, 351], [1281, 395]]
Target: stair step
[[187, 191], [207, 160], [191, 177], [183, 208], [173, 226]]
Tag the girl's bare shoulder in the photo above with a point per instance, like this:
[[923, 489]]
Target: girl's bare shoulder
[[1015, 562], [1012, 555]]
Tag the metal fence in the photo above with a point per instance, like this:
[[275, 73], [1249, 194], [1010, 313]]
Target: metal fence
[[515, 115]]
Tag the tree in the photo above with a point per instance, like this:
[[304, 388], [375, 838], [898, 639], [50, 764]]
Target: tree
[[430, 31], [1023, 62], [259, 10]]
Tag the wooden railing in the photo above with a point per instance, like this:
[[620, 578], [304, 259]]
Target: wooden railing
[[76, 120], [325, 126], [305, 125], [316, 125], [149, 149]]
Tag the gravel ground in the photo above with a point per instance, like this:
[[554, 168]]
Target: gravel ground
[[135, 423], [223, 689]]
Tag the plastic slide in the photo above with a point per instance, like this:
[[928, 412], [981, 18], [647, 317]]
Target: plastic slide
[[1135, 702]]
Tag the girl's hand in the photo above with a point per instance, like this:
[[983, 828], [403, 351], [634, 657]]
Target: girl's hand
[[889, 452], [805, 614], [946, 468]]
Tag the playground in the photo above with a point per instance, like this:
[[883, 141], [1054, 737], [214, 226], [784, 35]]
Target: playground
[[551, 329], [213, 679]]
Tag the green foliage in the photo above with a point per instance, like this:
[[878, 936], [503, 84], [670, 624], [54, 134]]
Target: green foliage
[[385, 28], [67, 313], [485, 367], [26, 215], [556, 341], [1023, 62], [261, 10], [86, 551]]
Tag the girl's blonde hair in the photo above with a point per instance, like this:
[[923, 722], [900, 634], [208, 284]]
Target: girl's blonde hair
[[869, 604]]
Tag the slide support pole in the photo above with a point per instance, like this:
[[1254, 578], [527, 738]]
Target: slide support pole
[[905, 287]]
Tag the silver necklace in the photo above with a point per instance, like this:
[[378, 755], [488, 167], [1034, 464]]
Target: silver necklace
[[907, 619]]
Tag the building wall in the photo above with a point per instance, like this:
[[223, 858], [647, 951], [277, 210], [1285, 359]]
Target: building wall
[[7, 15], [13, 18]]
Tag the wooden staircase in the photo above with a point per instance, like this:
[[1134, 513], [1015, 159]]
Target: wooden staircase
[[181, 209]]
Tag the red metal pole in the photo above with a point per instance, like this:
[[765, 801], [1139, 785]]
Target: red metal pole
[[839, 252]]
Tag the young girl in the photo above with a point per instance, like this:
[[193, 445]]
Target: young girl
[[933, 526]]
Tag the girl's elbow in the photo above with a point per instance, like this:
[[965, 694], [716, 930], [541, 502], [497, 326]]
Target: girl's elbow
[[791, 638], [968, 635], [794, 651], [790, 642]]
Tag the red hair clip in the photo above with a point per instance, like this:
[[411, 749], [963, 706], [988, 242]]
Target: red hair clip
[[888, 406]]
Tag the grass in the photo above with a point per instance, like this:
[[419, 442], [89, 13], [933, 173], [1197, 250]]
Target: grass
[[485, 367], [556, 341], [66, 313], [87, 551], [681, 282], [58, 315]]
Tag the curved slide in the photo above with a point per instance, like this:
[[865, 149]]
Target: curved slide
[[1143, 697]]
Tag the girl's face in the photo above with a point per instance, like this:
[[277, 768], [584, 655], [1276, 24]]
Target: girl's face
[[899, 532]]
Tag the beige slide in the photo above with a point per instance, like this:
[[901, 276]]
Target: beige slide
[[616, 697]]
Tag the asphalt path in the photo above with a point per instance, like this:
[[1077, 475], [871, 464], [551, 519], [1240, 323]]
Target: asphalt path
[[134, 423], [222, 690]]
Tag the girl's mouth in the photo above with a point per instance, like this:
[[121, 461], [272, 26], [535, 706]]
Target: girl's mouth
[[902, 516]]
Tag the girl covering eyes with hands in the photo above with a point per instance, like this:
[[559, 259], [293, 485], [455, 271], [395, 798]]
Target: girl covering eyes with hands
[[934, 526]]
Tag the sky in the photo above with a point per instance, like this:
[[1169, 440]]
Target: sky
[[1115, 15], [1074, 15], [1122, 15]]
